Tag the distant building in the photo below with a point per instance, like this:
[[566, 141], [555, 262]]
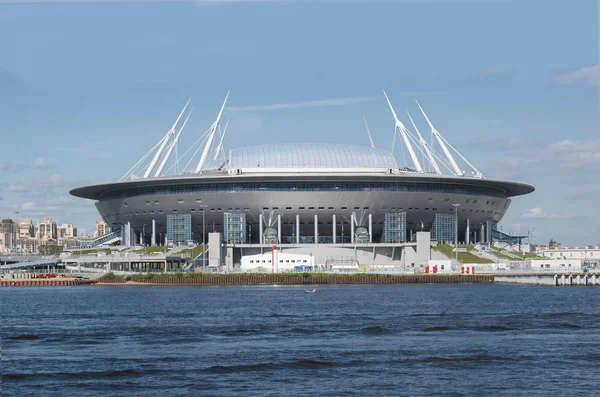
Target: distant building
[[26, 241], [27, 238], [587, 255], [564, 265], [47, 232], [66, 235], [102, 229], [553, 244], [8, 231], [26, 228]]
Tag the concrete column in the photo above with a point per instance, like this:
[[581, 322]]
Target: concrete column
[[468, 232], [370, 228], [260, 228], [334, 227], [316, 229], [488, 231], [128, 234], [141, 238], [153, 242], [297, 229], [352, 228], [279, 228], [482, 234]]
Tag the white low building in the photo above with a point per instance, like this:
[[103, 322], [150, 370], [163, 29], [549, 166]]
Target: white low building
[[442, 266], [566, 265], [277, 262], [587, 255]]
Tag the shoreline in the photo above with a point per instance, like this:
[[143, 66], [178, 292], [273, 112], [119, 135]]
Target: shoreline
[[298, 279]]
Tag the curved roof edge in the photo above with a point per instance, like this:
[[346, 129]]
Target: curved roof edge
[[94, 192]]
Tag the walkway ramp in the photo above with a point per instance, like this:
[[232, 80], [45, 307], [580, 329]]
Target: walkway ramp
[[107, 239], [32, 264]]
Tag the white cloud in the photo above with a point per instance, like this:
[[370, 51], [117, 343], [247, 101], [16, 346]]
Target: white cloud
[[304, 104], [28, 206], [572, 154], [16, 188], [562, 146], [590, 75], [537, 212], [41, 163], [6, 167], [50, 180]]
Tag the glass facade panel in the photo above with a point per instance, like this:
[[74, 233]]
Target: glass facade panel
[[179, 228], [443, 228], [235, 228], [395, 227]]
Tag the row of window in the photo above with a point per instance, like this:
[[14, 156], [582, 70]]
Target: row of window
[[181, 201], [193, 210], [280, 261], [579, 254], [242, 187]]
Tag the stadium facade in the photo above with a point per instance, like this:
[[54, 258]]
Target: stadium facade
[[302, 194]]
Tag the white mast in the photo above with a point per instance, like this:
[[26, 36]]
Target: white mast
[[220, 147], [212, 132], [368, 132], [440, 140], [425, 147], [164, 143], [173, 144], [403, 132]]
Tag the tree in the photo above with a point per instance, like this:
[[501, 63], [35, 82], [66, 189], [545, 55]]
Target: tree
[[50, 249]]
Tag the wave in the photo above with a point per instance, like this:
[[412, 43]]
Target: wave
[[24, 337], [469, 358], [437, 328], [299, 364], [127, 373], [240, 331], [492, 328], [375, 330]]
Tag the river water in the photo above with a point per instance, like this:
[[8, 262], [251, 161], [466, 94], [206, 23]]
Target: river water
[[401, 340]]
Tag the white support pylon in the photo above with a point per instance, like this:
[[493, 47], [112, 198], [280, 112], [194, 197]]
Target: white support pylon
[[220, 147], [172, 146], [212, 132], [425, 146], [164, 143], [369, 132], [403, 132], [440, 140]]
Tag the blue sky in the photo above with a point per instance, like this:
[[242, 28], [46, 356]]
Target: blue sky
[[87, 87]]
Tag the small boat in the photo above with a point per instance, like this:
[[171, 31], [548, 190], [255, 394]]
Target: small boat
[[311, 291]]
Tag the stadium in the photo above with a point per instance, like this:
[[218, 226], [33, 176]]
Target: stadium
[[329, 200]]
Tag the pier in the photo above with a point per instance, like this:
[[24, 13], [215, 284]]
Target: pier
[[552, 279]]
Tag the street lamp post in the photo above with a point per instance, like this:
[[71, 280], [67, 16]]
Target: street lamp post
[[17, 234], [456, 205], [203, 207]]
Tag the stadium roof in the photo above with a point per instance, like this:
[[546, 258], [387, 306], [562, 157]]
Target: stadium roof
[[311, 155]]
